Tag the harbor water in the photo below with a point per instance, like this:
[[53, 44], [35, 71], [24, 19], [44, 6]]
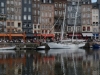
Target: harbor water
[[50, 62]]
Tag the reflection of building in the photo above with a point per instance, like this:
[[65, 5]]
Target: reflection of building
[[91, 64], [46, 65], [11, 64], [27, 69]]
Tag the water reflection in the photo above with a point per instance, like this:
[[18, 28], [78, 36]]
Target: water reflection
[[50, 62]]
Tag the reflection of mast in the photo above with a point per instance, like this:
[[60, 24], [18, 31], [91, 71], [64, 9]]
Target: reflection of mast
[[74, 63], [62, 65]]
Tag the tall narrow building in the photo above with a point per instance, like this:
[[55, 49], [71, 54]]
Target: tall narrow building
[[10, 16], [36, 16], [47, 18], [72, 8], [95, 20], [27, 22], [86, 18], [2, 15], [59, 11]]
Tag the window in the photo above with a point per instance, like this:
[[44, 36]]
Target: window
[[29, 17], [8, 23], [88, 28], [25, 9], [7, 2], [2, 4], [96, 23], [29, 9], [19, 17], [60, 5], [12, 23], [19, 24], [55, 12], [78, 28], [29, 1], [24, 17], [69, 28], [25, 1], [12, 9], [2, 10], [55, 4], [84, 28], [19, 3], [12, 2], [15, 17], [35, 26]]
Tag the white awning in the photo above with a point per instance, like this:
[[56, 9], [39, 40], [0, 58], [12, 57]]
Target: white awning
[[87, 34]]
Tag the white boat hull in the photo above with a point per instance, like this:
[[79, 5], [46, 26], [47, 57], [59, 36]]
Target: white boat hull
[[41, 48], [81, 44], [8, 48], [53, 45]]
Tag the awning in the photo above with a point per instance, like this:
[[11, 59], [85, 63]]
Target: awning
[[76, 34], [36, 34], [48, 35], [96, 34], [87, 34], [8, 34], [17, 35]]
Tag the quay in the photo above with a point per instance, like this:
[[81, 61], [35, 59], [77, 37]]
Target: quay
[[22, 46], [33, 46]]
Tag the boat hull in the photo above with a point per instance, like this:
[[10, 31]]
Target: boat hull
[[96, 46], [80, 45], [53, 45], [8, 48], [41, 48]]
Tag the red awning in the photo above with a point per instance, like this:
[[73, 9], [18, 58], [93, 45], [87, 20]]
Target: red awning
[[37, 34], [48, 35], [76, 34]]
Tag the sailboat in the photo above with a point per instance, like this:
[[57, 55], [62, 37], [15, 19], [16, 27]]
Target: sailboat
[[69, 44], [61, 45]]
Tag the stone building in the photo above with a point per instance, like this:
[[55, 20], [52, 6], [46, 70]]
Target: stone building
[[95, 20], [47, 18], [86, 18], [72, 8]]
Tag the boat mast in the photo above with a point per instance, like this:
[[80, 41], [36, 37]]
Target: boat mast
[[62, 27], [75, 21]]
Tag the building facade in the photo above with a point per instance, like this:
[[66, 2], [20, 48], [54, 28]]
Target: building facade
[[36, 15], [86, 18], [59, 11], [95, 20], [72, 8], [47, 18], [2, 15], [27, 23]]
